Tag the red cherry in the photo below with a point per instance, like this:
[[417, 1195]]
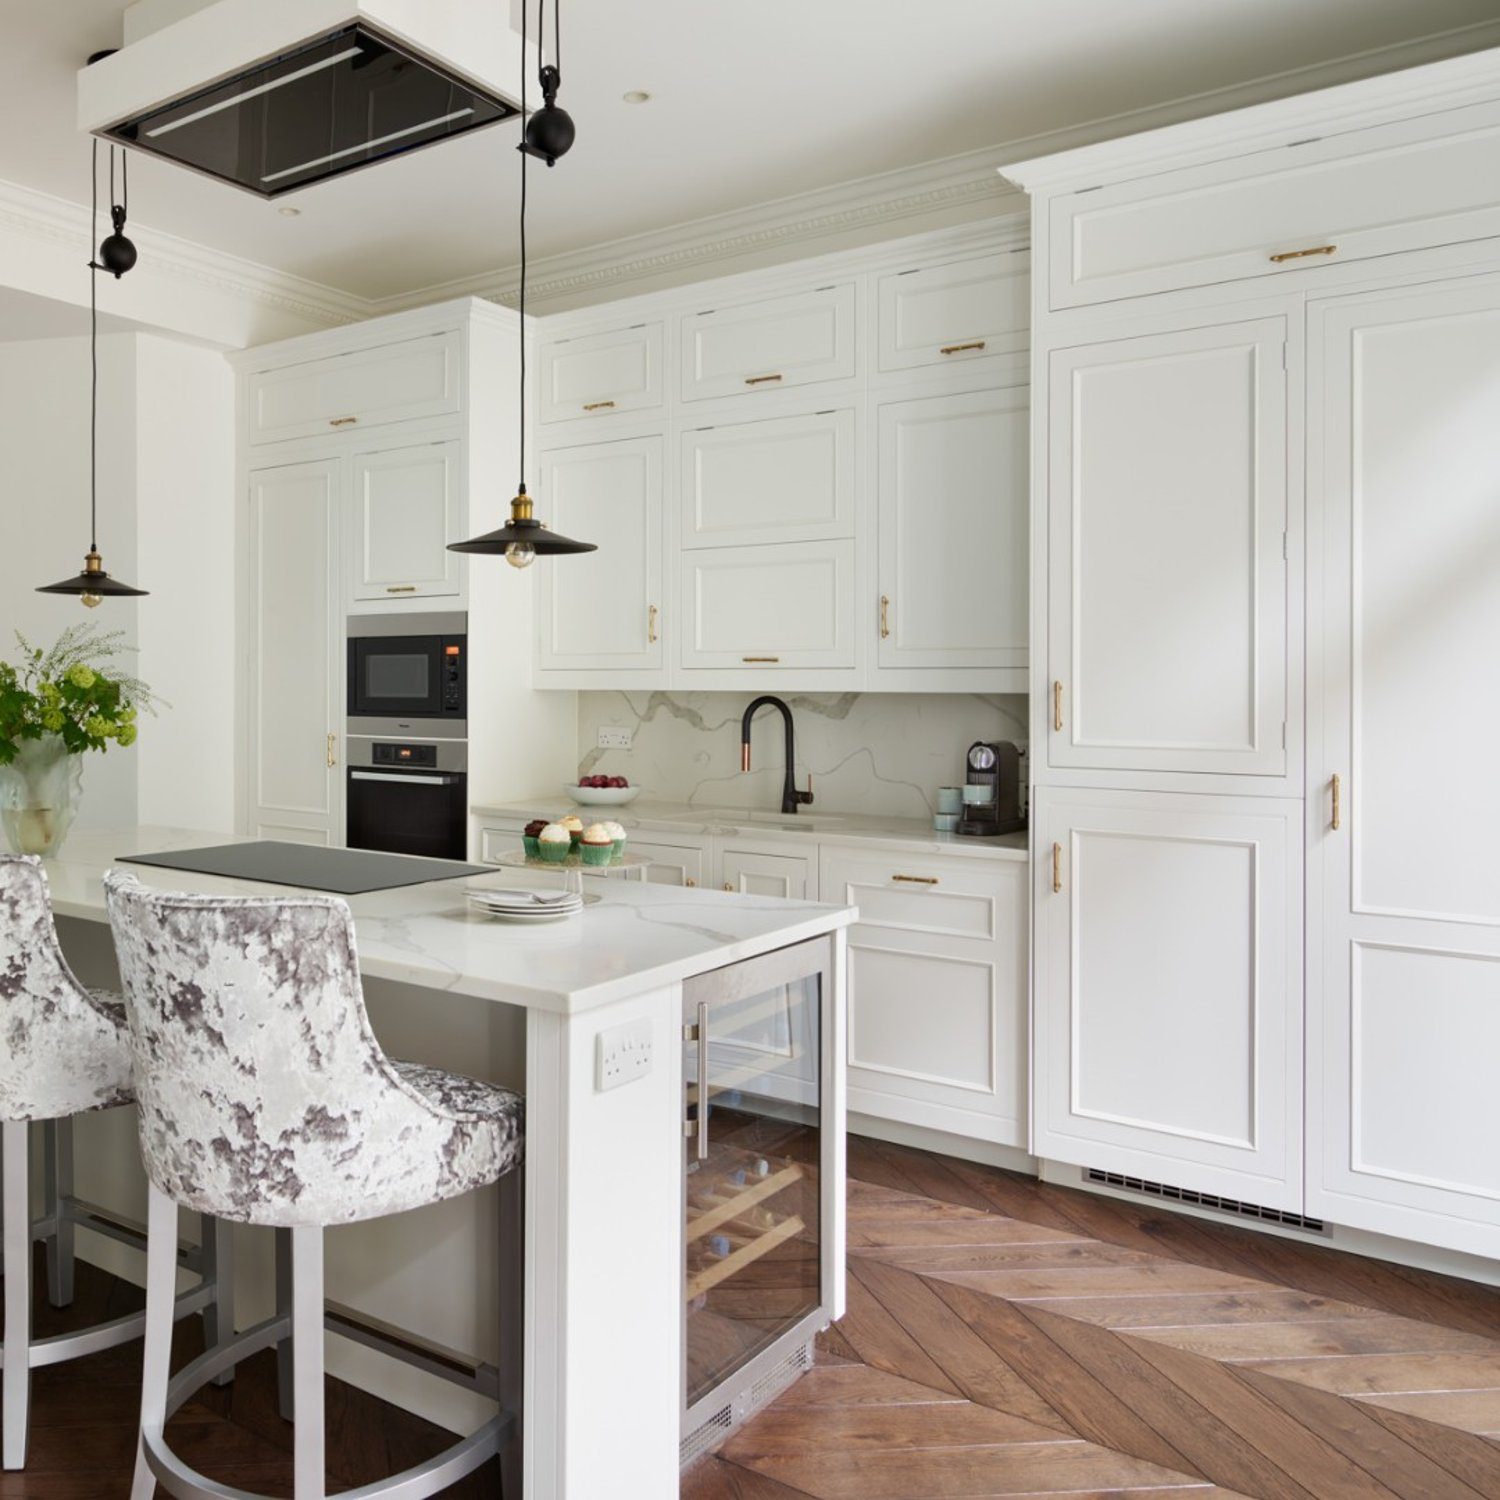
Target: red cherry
[[618, 781]]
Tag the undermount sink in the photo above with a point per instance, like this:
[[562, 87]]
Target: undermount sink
[[740, 816]]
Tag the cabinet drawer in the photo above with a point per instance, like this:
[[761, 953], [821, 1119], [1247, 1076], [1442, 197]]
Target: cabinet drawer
[[931, 896], [1413, 184], [671, 863], [601, 373], [752, 873], [952, 314], [399, 382], [769, 345], [787, 479], [496, 839], [747, 607]]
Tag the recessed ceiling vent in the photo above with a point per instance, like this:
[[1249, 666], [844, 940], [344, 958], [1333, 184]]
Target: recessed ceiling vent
[[274, 97]]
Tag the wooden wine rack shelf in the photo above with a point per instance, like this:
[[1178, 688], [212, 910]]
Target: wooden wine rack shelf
[[717, 1214], [710, 1276]]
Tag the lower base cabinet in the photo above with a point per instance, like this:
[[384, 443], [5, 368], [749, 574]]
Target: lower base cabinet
[[937, 990], [1168, 985]]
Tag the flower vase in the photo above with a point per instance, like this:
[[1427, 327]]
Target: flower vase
[[39, 792]]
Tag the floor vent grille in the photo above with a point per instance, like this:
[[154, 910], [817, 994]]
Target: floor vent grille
[[743, 1404], [712, 1431], [1168, 1193]]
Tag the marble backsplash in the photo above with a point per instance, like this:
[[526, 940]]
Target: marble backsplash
[[883, 753]]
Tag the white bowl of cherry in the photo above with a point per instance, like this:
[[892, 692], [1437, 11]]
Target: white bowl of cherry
[[603, 791]]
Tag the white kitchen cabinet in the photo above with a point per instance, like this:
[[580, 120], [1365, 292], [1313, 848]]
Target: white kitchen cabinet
[[937, 989], [953, 499], [603, 610], [295, 697], [960, 312], [769, 344], [1404, 945], [1166, 515], [1168, 989], [596, 374], [778, 479], [777, 607], [407, 505], [674, 860], [754, 872], [400, 381]]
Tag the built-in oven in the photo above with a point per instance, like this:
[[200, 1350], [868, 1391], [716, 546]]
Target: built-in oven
[[409, 667], [409, 796]]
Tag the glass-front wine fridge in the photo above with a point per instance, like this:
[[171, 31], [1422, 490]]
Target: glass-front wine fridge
[[763, 1181]]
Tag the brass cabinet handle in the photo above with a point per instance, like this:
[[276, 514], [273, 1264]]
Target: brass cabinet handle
[[1057, 707], [760, 379], [597, 405], [961, 348], [1335, 790], [728, 885], [1056, 869], [401, 588], [651, 615], [759, 658], [917, 879], [1287, 255], [342, 421], [690, 881], [885, 617], [333, 758]]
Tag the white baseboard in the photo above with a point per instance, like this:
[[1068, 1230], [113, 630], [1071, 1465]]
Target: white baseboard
[[964, 1148]]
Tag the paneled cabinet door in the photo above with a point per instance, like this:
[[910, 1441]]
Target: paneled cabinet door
[[953, 531], [599, 373], [1167, 576], [1167, 1007], [407, 505], [295, 712], [791, 876], [603, 609], [1404, 947], [671, 863], [952, 314]]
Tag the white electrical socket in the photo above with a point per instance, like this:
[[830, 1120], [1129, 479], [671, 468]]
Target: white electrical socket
[[622, 1054], [615, 739]]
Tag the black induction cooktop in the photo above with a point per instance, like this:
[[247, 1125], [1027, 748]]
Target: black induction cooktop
[[341, 872]]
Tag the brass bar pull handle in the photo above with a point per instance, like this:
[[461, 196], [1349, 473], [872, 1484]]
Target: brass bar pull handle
[[753, 659], [1056, 869], [761, 379], [690, 882], [961, 348], [1287, 255], [651, 615], [885, 617], [728, 885], [401, 588], [917, 879], [1057, 707], [1335, 790], [703, 1080], [342, 421], [598, 405], [333, 757]]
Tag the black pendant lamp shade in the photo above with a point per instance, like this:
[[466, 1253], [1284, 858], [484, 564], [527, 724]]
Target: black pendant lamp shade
[[92, 584], [523, 538]]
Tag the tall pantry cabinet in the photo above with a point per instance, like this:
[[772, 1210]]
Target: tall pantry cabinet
[[1265, 636]]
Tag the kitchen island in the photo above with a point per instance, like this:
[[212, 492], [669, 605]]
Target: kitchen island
[[526, 1007]]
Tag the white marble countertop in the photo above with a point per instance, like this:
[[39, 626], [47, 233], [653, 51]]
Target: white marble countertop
[[637, 937], [901, 834]]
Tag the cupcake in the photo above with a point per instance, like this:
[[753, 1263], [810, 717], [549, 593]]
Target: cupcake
[[574, 824], [554, 843], [596, 845], [529, 836], [617, 834]]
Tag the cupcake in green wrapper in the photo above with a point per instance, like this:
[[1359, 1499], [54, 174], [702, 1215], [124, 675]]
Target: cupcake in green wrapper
[[574, 824], [617, 835], [529, 836], [596, 846], [554, 843]]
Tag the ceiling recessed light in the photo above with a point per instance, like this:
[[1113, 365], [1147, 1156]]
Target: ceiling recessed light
[[288, 212], [636, 96]]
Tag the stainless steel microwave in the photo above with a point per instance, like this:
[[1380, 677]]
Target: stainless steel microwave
[[407, 667]]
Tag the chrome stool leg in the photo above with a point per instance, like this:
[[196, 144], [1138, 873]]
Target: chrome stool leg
[[307, 1361], [57, 1189], [216, 1237], [161, 1288], [16, 1377], [285, 1401], [511, 1198]]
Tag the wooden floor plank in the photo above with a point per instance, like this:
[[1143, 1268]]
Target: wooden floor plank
[[859, 1385], [1394, 1374], [1311, 1337], [1475, 1411], [1146, 1278]]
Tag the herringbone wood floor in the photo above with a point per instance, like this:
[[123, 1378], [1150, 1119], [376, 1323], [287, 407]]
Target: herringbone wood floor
[[1006, 1338]]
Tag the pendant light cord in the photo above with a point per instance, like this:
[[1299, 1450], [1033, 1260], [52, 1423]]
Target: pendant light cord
[[521, 301], [94, 348]]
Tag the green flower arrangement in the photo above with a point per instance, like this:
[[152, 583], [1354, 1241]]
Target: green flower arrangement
[[67, 691]]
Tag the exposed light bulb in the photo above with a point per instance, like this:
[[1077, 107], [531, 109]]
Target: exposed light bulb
[[520, 554], [91, 601]]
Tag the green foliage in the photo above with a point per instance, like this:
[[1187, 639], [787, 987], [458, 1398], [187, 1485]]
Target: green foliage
[[66, 691]]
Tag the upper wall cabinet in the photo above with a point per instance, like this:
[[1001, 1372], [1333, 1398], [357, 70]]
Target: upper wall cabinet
[[769, 345], [1337, 197], [782, 479], [596, 374], [953, 314], [407, 508], [396, 382]]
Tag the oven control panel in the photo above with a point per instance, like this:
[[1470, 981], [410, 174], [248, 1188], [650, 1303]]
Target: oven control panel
[[382, 754]]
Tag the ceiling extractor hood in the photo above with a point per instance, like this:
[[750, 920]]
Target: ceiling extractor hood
[[275, 95]]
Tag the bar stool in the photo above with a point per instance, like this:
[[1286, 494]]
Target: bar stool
[[64, 1052], [266, 1099]]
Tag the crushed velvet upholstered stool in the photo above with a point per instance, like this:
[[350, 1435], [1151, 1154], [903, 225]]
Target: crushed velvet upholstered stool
[[64, 1052], [266, 1099]]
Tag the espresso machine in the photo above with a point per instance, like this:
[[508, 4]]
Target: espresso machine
[[994, 766]]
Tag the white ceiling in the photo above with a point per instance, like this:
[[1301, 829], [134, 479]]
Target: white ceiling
[[751, 101]]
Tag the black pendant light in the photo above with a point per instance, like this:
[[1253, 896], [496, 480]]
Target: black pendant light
[[523, 538], [117, 255]]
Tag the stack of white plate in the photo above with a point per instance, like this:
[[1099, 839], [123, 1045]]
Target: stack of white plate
[[525, 906]]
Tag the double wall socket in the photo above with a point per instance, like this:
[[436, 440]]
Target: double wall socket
[[622, 1054], [615, 739]]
